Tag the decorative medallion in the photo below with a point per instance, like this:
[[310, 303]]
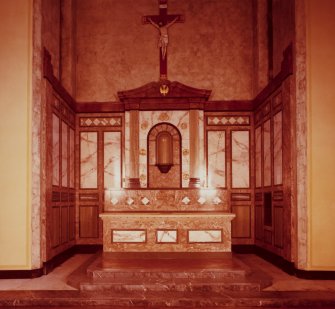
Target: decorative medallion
[[183, 126], [143, 152], [186, 176], [186, 152], [144, 125], [164, 117]]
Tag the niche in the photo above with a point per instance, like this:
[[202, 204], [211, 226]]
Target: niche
[[164, 156], [268, 208]]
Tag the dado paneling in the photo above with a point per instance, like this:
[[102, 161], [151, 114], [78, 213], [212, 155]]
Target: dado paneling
[[273, 193], [99, 158], [229, 144], [60, 197]]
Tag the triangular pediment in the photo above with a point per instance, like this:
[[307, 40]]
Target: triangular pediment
[[164, 91]]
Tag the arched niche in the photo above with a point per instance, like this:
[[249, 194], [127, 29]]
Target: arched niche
[[164, 156]]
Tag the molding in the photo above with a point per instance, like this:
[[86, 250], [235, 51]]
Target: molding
[[51, 264], [283, 264]]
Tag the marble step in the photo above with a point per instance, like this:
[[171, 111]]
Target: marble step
[[194, 286]]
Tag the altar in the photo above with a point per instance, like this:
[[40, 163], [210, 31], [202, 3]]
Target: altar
[[185, 220]]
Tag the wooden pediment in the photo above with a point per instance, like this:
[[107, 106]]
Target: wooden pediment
[[164, 92]]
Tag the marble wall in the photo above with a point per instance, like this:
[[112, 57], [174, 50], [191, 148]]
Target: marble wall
[[55, 150], [88, 160], [112, 159], [212, 49], [64, 154], [267, 153], [277, 149], [258, 157]]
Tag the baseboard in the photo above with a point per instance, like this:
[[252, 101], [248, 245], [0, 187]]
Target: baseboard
[[283, 264], [51, 264]]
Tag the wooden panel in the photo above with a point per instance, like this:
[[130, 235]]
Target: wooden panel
[[88, 221], [240, 158], [55, 215], [268, 237], [71, 223], [241, 197], [241, 225], [71, 168], [259, 222], [278, 227], [277, 149], [267, 153], [258, 156], [64, 224]]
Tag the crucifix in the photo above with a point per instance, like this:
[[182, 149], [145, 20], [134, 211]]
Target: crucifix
[[162, 22]]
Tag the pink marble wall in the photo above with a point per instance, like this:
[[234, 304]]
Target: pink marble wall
[[267, 153], [64, 154], [258, 156], [112, 159], [88, 160], [277, 149], [240, 143], [55, 150], [115, 51], [216, 143]]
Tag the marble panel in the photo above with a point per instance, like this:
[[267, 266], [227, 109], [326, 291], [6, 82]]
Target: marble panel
[[277, 149], [213, 231], [88, 160], [112, 159], [258, 156], [205, 236], [267, 153], [202, 161], [166, 200], [216, 158], [71, 169], [64, 154], [240, 159], [166, 236], [130, 236], [126, 164], [55, 150], [180, 119]]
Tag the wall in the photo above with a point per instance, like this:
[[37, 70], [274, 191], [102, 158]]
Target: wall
[[321, 126], [15, 131], [213, 49]]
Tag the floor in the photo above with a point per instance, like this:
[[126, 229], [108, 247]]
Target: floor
[[57, 280]]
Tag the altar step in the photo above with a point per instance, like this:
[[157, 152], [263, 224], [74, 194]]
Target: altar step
[[178, 274]]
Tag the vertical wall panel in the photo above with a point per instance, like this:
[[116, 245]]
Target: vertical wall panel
[[64, 224], [88, 221], [55, 215], [55, 150], [64, 155], [278, 226], [258, 156], [112, 159], [240, 159], [71, 168], [258, 223], [277, 149], [241, 225], [267, 153], [216, 157], [71, 223], [88, 160]]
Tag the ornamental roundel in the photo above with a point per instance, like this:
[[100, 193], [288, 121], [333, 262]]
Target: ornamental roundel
[[163, 117]]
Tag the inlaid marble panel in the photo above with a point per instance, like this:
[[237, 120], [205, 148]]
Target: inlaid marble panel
[[130, 236], [64, 155], [240, 159], [277, 149], [112, 159], [126, 164], [216, 158], [71, 169], [180, 119], [202, 160], [267, 153], [258, 156], [55, 150], [138, 231], [166, 236], [205, 236], [88, 159]]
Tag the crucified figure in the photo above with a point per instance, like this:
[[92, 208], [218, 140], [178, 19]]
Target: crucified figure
[[163, 34]]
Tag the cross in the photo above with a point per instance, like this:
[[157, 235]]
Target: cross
[[162, 22]]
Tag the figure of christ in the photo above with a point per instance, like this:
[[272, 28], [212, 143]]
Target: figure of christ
[[163, 34]]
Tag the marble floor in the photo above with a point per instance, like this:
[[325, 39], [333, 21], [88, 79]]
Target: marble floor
[[56, 285]]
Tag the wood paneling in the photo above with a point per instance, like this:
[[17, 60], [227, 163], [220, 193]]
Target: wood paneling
[[241, 227], [278, 226], [55, 227], [64, 224], [259, 222], [88, 218]]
